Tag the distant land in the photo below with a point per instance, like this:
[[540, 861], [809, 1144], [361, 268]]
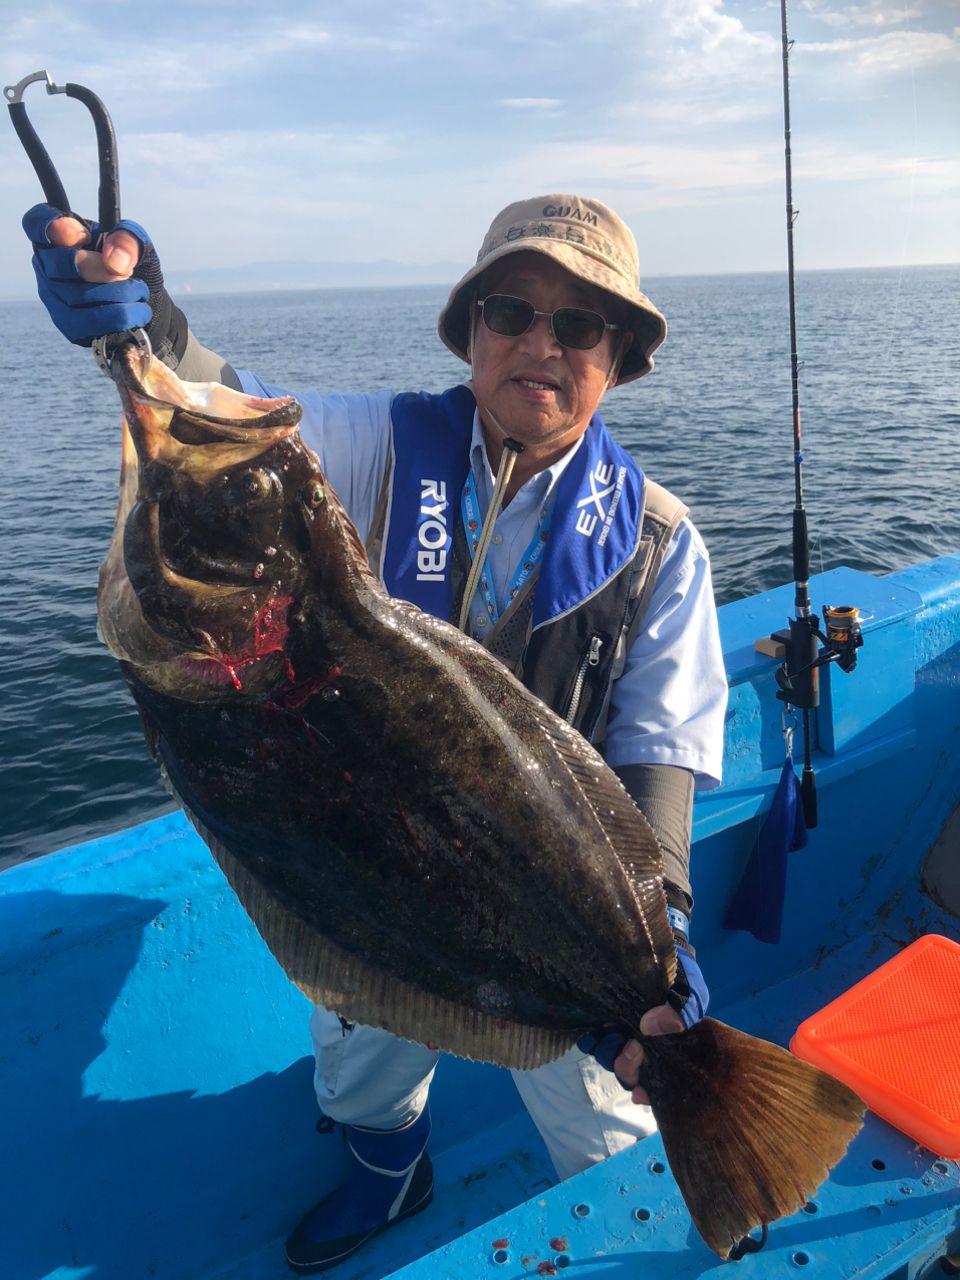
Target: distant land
[[253, 277], [257, 277]]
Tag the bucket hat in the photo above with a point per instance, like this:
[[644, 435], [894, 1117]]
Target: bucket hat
[[586, 238]]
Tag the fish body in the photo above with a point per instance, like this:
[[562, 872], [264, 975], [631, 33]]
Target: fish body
[[423, 845]]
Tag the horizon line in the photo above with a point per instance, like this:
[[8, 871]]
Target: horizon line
[[429, 284]]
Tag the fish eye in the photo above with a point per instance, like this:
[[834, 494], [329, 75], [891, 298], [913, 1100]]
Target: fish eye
[[315, 494]]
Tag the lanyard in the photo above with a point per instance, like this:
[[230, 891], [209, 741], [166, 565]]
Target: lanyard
[[470, 513]]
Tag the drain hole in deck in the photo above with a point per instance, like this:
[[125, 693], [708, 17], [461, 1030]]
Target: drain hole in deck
[[801, 1259], [642, 1215], [500, 1256], [658, 1167], [878, 1164], [562, 1260], [940, 1167], [581, 1211], [811, 1207]]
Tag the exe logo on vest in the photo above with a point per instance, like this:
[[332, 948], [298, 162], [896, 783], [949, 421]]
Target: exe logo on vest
[[432, 532], [591, 509]]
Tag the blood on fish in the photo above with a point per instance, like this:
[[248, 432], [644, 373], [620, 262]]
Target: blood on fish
[[269, 632], [409, 829], [301, 693]]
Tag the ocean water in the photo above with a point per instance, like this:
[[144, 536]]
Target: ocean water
[[880, 396]]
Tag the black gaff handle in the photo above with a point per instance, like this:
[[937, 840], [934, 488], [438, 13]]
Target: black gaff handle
[[37, 153], [53, 190]]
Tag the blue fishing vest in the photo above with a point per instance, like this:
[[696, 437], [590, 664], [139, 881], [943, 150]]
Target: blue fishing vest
[[591, 576]]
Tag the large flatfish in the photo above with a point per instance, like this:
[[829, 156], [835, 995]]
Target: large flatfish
[[423, 845]]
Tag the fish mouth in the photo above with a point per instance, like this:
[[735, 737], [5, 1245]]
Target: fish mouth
[[172, 421]]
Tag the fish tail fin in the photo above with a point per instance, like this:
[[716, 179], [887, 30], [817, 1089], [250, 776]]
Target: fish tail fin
[[750, 1131]]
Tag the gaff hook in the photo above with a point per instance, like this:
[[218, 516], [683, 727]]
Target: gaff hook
[[109, 193]]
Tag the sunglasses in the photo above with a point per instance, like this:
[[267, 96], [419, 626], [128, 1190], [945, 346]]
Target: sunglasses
[[571, 326]]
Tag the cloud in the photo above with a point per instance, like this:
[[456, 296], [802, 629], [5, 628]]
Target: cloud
[[874, 13], [827, 162], [531, 104], [891, 53]]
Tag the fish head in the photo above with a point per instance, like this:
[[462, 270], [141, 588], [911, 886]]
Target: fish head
[[212, 541]]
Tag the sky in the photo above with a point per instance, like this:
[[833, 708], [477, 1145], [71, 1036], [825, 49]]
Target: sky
[[388, 130]]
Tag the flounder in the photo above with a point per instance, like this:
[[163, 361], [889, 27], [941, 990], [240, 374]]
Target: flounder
[[422, 844]]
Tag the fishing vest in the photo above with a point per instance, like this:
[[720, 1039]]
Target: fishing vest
[[567, 632]]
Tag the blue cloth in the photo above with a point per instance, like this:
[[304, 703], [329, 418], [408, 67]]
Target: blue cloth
[[691, 1004], [596, 511], [83, 311], [757, 905]]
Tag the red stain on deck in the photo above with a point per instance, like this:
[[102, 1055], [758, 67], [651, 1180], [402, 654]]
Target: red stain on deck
[[546, 1269], [559, 1244], [500, 1244]]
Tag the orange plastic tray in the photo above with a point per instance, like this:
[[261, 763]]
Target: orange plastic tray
[[895, 1039]]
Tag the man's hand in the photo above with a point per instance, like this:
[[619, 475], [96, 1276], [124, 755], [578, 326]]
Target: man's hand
[[89, 293], [116, 260], [660, 1021], [624, 1057]]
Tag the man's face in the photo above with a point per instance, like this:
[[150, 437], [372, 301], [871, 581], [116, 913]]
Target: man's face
[[540, 393]]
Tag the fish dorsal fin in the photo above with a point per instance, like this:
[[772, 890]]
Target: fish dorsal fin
[[628, 831], [633, 839], [332, 977], [350, 532]]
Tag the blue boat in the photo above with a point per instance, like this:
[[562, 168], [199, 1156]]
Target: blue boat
[[159, 1113]]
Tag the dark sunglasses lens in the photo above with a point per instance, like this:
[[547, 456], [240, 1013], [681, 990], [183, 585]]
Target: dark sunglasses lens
[[507, 316], [576, 328]]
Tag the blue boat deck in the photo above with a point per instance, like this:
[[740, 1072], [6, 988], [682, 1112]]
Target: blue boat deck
[[158, 1112]]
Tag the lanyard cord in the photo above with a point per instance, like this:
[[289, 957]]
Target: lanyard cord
[[511, 451]]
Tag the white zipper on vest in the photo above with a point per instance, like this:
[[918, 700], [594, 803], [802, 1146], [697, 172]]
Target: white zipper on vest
[[591, 658]]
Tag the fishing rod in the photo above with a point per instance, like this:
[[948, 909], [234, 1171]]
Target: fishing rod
[[798, 677]]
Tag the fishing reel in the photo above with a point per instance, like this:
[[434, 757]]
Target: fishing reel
[[805, 649]]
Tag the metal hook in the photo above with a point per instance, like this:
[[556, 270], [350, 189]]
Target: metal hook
[[14, 92], [104, 349], [788, 726], [109, 197]]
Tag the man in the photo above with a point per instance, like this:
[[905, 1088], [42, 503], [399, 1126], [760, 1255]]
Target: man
[[505, 506]]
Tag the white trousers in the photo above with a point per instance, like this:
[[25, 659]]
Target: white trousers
[[368, 1077]]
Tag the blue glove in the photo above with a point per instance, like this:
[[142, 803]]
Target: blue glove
[[689, 997], [83, 311]]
